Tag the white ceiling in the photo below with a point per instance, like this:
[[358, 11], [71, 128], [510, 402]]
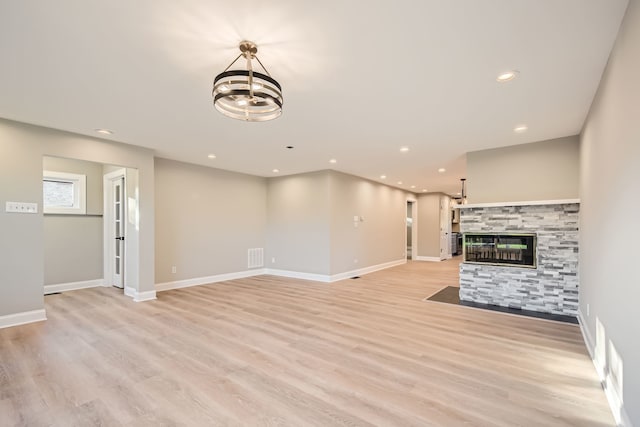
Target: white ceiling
[[360, 78]]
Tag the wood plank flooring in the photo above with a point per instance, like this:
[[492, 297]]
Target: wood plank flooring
[[278, 351]]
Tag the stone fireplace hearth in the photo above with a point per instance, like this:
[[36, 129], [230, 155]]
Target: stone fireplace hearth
[[550, 287]]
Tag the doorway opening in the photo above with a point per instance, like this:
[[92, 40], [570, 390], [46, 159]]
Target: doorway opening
[[91, 217]]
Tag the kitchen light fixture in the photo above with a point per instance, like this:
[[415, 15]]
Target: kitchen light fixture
[[463, 194], [404, 149], [383, 176], [333, 161], [520, 129], [442, 170], [211, 156], [246, 94]]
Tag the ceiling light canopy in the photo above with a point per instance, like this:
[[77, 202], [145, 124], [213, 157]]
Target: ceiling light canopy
[[247, 94]]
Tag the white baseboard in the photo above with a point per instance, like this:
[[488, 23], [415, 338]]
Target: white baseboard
[[72, 286], [427, 258], [366, 270], [139, 296], [298, 275], [160, 287], [334, 277], [22, 318], [208, 279], [613, 398]]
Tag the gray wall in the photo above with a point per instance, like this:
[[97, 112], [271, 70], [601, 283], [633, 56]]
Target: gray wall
[[206, 219], [546, 170], [610, 174], [22, 148], [73, 243], [429, 225], [311, 223], [298, 231], [380, 237]]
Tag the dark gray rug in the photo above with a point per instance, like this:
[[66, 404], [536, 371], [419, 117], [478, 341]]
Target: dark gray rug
[[449, 294]]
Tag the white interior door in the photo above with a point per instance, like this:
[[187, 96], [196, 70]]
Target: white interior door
[[445, 229], [117, 227]]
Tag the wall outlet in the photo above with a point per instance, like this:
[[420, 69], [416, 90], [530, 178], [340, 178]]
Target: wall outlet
[[273, 260], [174, 269]]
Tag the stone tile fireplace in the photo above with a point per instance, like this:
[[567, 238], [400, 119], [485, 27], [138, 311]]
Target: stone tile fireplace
[[551, 284]]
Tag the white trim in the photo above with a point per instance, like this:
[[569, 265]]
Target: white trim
[[79, 183], [72, 286], [107, 240], [428, 258], [130, 292], [529, 203], [22, 318], [139, 296], [145, 296], [366, 270], [298, 275], [615, 402], [178, 284]]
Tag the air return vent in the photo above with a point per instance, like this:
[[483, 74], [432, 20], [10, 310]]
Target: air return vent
[[255, 257]]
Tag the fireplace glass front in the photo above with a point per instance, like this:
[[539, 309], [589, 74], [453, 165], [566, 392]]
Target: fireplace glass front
[[500, 249]]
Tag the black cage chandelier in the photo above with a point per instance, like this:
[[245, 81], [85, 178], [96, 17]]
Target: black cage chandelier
[[246, 94]]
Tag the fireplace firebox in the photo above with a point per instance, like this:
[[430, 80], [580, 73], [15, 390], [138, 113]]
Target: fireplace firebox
[[517, 250]]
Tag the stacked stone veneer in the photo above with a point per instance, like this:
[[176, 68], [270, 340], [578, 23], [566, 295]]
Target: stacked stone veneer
[[552, 287]]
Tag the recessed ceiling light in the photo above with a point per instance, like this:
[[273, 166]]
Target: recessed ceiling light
[[507, 76], [413, 186], [458, 193], [333, 161], [211, 156], [399, 182], [383, 176], [424, 190], [275, 171], [104, 131], [404, 149], [520, 129], [442, 170]]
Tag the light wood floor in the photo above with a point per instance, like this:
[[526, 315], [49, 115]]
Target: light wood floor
[[277, 351]]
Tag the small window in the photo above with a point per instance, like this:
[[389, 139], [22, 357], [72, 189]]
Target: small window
[[64, 193]]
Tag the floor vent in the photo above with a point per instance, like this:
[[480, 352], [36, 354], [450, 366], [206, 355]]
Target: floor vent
[[255, 257]]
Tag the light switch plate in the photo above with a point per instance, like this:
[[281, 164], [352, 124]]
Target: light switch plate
[[19, 207]]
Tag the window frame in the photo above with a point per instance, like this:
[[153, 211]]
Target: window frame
[[79, 182]]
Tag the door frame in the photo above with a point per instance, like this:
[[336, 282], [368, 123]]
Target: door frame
[[108, 225], [414, 228]]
